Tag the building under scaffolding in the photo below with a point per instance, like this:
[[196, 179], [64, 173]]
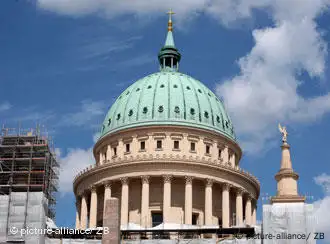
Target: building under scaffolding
[[28, 182]]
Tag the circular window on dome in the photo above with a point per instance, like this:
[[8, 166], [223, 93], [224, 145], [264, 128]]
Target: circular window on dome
[[118, 116], [188, 88], [145, 110], [175, 86], [206, 114], [177, 109], [130, 112], [109, 122], [199, 90], [218, 119], [162, 86], [192, 111], [137, 89], [160, 109], [149, 86]]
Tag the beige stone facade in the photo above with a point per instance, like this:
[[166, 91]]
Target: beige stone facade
[[185, 175]]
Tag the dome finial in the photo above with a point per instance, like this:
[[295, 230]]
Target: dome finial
[[170, 26], [169, 57]]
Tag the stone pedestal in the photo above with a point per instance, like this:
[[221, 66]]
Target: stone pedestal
[[111, 222]]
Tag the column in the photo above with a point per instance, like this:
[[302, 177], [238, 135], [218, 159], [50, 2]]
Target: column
[[248, 210], [224, 155], [232, 159], [188, 201], [239, 207], [124, 201], [254, 213], [167, 198], [78, 213], [93, 208], [120, 148], [225, 205], [135, 145], [214, 151], [107, 191], [208, 202], [83, 212], [101, 157], [108, 154], [145, 201]]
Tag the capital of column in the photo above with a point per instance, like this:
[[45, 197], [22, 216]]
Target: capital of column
[[92, 188], [145, 179], [124, 180], [226, 186], [189, 179], [107, 184], [239, 191], [209, 182], [248, 197], [167, 178]]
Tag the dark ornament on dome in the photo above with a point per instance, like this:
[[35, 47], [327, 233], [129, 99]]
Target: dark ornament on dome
[[177, 109], [206, 114], [160, 109], [138, 89], [192, 111], [118, 116], [218, 119], [188, 88], [145, 110], [162, 86], [109, 122], [130, 113], [149, 86], [227, 124], [127, 92], [199, 90], [175, 86]]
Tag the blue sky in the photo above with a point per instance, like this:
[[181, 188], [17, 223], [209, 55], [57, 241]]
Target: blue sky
[[62, 64]]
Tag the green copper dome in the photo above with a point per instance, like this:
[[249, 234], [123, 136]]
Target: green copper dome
[[168, 97]]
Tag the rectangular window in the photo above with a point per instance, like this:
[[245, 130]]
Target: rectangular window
[[207, 149], [159, 144], [192, 146], [127, 147], [219, 153], [194, 219], [142, 145], [115, 151], [176, 144]]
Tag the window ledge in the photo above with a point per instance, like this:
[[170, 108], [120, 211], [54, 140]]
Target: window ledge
[[192, 151], [125, 153], [176, 149], [159, 149], [142, 150]]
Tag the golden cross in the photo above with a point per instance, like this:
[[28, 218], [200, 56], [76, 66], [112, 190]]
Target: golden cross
[[170, 13]]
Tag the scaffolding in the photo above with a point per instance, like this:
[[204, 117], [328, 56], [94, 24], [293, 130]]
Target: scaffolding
[[28, 166]]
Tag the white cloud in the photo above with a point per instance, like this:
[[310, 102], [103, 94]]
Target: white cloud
[[112, 8], [5, 106], [322, 206], [71, 164], [265, 91], [89, 114]]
